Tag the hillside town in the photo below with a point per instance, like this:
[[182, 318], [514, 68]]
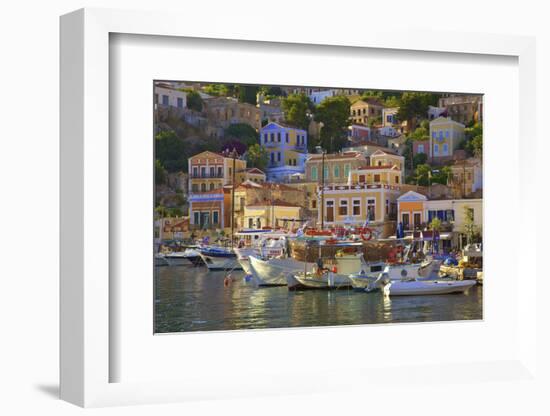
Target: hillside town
[[243, 157]]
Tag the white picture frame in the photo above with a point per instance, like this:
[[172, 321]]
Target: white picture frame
[[86, 356]]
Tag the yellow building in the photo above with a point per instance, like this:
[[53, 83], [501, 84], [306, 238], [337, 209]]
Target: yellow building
[[445, 136], [286, 148], [209, 172], [273, 214], [337, 166], [362, 111]]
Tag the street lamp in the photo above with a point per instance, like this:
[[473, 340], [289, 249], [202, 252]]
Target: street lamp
[[319, 149]]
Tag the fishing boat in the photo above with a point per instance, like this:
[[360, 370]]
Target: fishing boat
[[266, 244], [366, 279], [219, 258], [330, 273], [428, 287], [274, 271]]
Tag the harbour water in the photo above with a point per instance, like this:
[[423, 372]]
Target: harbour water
[[192, 299]]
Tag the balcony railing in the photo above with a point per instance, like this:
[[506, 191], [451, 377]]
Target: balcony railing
[[216, 175]]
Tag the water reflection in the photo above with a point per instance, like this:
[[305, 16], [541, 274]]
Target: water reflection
[[192, 299]]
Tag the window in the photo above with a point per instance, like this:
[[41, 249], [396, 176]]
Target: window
[[165, 100], [346, 170], [195, 187], [220, 170], [314, 204], [336, 171], [379, 163], [203, 172], [195, 171], [272, 137], [278, 156], [286, 137], [397, 179], [433, 135], [215, 217], [314, 173], [361, 178], [251, 223], [212, 171], [371, 209], [376, 178], [211, 186], [447, 134], [445, 149], [436, 149], [440, 134], [343, 209], [272, 158], [265, 137], [230, 172], [196, 218], [356, 209], [279, 137], [420, 148], [387, 206], [325, 173], [203, 187]]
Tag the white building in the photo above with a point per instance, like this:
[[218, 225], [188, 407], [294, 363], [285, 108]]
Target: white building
[[435, 112], [168, 96], [317, 97]]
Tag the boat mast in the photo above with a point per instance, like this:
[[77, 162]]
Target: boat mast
[[323, 190], [233, 199]]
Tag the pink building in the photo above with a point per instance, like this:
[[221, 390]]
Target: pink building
[[359, 132], [421, 147]]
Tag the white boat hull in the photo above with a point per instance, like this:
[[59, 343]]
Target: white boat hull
[[324, 281], [220, 263], [433, 287], [275, 272]]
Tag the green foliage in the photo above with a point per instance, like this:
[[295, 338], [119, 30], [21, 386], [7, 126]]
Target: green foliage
[[420, 134], [470, 229], [256, 157], [419, 159], [247, 94], [297, 108], [435, 225], [160, 173], [170, 151], [272, 91], [220, 90], [243, 132], [423, 174], [333, 112], [194, 100], [414, 105], [473, 142]]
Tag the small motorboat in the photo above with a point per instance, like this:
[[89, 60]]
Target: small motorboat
[[219, 258], [427, 287]]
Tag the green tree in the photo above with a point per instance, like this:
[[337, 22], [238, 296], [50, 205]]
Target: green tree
[[473, 142], [297, 108], [435, 225], [414, 105], [333, 112], [243, 132], [423, 174], [419, 159], [160, 173], [420, 134], [470, 228], [441, 175], [170, 151], [256, 157], [194, 100], [247, 94]]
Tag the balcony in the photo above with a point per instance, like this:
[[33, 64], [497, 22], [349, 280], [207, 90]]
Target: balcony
[[216, 175]]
